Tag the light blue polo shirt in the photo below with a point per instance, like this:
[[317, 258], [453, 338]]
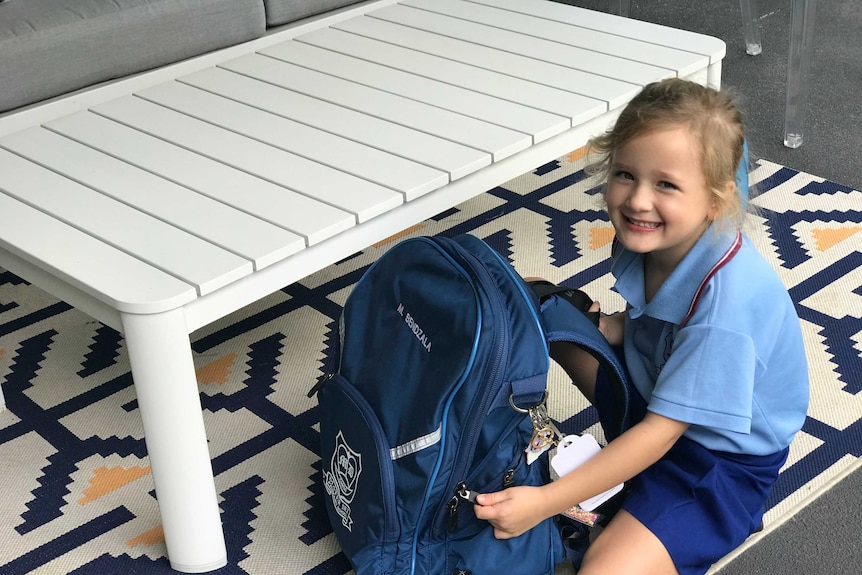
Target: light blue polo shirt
[[718, 347]]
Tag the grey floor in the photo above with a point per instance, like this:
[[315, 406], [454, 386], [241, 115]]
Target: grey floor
[[825, 538]]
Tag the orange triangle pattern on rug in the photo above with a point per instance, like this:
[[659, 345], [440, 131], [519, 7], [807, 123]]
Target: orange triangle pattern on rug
[[150, 537], [217, 371], [108, 479], [601, 236], [828, 237], [576, 155], [402, 234]]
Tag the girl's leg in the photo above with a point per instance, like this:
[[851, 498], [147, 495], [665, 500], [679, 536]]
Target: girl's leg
[[579, 365], [627, 547]]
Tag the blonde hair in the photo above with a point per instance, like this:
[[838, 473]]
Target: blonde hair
[[715, 123]]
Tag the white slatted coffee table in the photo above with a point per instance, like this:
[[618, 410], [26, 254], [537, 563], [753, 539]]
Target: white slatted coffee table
[[163, 202]]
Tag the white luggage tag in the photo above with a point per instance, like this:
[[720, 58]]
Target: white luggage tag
[[574, 450]]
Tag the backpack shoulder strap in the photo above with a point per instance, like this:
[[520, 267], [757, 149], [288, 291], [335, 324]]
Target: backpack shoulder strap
[[565, 318]]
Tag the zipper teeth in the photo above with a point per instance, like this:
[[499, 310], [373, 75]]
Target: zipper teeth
[[442, 446], [497, 300], [501, 347], [501, 354]]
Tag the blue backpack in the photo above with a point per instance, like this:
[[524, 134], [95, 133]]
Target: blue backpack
[[443, 351]]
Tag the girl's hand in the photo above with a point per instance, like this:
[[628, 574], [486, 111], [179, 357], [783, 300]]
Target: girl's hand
[[512, 511], [516, 510], [612, 326]]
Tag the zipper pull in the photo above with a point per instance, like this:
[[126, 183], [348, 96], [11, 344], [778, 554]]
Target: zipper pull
[[452, 523], [320, 382], [460, 492], [509, 479], [465, 494]]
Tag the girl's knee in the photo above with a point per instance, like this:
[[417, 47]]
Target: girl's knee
[[627, 547]]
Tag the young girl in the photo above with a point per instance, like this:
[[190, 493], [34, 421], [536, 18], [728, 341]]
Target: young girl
[[710, 338]]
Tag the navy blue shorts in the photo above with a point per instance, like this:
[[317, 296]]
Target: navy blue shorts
[[701, 504]]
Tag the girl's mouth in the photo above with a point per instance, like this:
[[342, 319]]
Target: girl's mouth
[[642, 223]]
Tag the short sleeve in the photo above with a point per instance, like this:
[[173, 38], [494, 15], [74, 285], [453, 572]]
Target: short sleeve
[[708, 379]]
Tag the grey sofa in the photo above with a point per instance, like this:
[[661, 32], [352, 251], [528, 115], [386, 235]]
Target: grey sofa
[[53, 47]]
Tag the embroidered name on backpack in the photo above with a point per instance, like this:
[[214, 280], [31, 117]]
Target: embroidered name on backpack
[[414, 327]]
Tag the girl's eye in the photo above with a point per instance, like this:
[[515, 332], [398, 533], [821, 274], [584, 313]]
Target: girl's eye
[[666, 185], [624, 175]]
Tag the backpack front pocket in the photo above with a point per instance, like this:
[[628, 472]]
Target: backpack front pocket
[[357, 472]]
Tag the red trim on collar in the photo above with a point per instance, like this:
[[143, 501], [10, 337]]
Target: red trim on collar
[[728, 255]]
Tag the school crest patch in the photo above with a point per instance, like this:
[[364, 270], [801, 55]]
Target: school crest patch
[[342, 479]]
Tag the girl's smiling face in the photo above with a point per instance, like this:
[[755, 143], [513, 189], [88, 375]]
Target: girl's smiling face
[[657, 197]]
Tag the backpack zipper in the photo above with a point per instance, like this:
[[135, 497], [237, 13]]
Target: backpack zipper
[[465, 455], [501, 347], [443, 424]]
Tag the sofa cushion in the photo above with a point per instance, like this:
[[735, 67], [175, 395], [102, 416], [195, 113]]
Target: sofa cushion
[[51, 47], [285, 11]]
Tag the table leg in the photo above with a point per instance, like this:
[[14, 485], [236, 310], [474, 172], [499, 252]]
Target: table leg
[[166, 386], [713, 75]]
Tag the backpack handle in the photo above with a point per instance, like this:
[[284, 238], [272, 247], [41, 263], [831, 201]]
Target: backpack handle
[[581, 301]]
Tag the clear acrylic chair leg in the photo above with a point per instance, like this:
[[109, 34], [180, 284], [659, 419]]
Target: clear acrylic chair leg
[[750, 27], [620, 7], [798, 67]]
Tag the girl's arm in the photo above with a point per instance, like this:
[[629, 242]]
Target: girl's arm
[[517, 509]]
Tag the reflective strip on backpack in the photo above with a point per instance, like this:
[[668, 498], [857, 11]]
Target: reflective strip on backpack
[[415, 445]]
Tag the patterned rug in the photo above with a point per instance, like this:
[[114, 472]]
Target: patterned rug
[[77, 491]]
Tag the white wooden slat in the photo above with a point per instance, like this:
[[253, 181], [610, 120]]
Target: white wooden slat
[[498, 141], [536, 48], [577, 108], [314, 220], [179, 253], [362, 198], [436, 152], [614, 92], [96, 268], [405, 176], [683, 62], [540, 125], [709, 46], [215, 222]]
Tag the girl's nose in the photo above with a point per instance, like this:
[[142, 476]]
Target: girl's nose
[[640, 198]]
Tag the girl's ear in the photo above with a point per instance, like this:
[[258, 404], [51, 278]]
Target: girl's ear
[[722, 200]]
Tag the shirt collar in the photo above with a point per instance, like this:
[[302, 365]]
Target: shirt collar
[[678, 296]]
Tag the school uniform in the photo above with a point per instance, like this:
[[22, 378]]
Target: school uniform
[[719, 346]]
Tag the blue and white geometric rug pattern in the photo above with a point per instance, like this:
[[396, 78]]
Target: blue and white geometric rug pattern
[[77, 491]]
